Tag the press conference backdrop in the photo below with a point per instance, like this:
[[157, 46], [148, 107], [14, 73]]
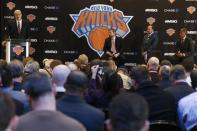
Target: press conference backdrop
[[63, 29]]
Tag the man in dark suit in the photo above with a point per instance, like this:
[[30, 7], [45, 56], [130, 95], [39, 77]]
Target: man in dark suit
[[73, 105], [150, 41], [161, 104], [18, 28], [180, 88], [184, 47], [113, 47]]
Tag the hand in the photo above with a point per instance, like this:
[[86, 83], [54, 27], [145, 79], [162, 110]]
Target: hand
[[144, 53], [94, 70], [116, 55], [110, 54]]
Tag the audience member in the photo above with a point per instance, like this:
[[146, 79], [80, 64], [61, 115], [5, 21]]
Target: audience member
[[188, 64], [153, 67], [187, 107], [8, 119], [59, 77], [31, 67], [128, 112], [7, 87], [180, 86], [44, 116], [55, 63], [73, 105], [164, 75], [17, 70], [166, 62], [110, 83], [193, 76], [161, 104]]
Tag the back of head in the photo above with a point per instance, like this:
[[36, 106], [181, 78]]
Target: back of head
[[7, 111], [164, 72], [6, 76], [77, 82], [193, 76], [55, 63], [60, 74], [47, 121], [177, 73], [139, 74], [128, 112], [83, 59], [153, 63], [16, 68], [188, 64], [111, 82], [71, 66], [166, 62], [37, 85], [31, 67]]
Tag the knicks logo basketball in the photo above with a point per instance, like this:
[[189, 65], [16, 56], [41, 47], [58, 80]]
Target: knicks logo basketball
[[94, 22]]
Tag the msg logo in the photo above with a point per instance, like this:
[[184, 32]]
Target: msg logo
[[94, 22]]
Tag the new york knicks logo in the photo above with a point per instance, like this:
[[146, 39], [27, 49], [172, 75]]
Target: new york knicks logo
[[94, 22]]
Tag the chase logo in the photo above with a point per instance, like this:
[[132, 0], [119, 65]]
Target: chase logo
[[94, 22]]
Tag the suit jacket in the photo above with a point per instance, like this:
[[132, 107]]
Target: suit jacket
[[161, 104], [180, 90], [13, 33], [118, 45], [186, 47], [165, 83], [75, 107], [150, 42]]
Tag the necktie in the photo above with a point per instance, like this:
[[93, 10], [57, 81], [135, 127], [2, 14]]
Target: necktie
[[19, 27], [113, 47]]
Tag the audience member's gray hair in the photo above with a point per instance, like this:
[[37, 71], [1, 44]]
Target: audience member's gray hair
[[60, 74], [178, 72], [32, 67], [153, 63], [16, 67], [164, 72]]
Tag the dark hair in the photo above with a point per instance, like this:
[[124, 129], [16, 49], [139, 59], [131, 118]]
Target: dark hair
[[111, 81], [16, 68], [128, 112], [37, 84], [178, 72], [164, 72], [77, 82], [139, 74], [165, 62], [6, 77], [193, 76], [188, 64], [7, 111], [55, 63]]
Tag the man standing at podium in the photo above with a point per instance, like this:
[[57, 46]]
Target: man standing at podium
[[18, 28]]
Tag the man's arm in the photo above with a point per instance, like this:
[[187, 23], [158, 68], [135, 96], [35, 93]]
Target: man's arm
[[155, 41], [106, 48]]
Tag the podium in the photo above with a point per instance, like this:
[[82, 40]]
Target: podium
[[17, 49]]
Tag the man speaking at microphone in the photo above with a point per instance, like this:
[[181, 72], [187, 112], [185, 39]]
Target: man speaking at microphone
[[113, 48], [18, 28]]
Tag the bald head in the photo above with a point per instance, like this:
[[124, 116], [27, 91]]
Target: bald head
[[18, 15], [60, 74]]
